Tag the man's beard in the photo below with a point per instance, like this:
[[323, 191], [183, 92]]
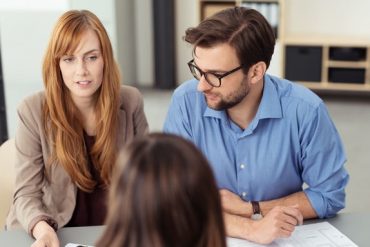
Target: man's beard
[[232, 99]]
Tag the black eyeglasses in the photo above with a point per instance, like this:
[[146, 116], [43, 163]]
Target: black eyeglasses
[[213, 79]]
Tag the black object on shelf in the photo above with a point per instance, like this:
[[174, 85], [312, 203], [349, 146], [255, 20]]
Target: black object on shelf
[[164, 44], [303, 63], [346, 75], [3, 124], [347, 53]]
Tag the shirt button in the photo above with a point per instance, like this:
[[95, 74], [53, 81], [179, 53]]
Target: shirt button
[[242, 166], [244, 194]]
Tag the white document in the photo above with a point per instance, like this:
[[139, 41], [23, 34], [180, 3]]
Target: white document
[[312, 235], [77, 245]]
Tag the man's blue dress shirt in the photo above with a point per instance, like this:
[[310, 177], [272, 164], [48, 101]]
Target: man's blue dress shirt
[[290, 141]]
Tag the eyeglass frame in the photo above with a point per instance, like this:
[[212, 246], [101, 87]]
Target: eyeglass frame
[[202, 73]]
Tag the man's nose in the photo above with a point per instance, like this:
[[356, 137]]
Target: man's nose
[[203, 85]]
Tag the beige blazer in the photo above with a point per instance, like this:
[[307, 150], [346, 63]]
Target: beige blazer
[[37, 198]]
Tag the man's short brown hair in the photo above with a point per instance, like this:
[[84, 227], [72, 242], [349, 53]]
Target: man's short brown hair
[[246, 30]]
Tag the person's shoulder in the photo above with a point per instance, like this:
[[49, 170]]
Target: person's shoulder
[[129, 91], [130, 97], [33, 102], [187, 88], [295, 93]]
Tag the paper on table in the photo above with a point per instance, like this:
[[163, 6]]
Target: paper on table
[[77, 245], [312, 235]]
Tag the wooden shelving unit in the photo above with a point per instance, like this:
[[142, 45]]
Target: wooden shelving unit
[[345, 63]]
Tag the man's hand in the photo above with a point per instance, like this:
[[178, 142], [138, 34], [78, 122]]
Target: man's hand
[[280, 222], [45, 235], [233, 204]]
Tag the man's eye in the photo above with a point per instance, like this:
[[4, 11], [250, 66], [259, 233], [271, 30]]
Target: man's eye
[[217, 74]]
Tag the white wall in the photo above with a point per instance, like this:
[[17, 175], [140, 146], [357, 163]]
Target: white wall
[[144, 39], [25, 27], [186, 15], [11, 5], [126, 49], [104, 10], [328, 17]]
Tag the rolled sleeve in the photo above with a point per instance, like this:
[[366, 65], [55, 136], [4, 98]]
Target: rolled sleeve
[[323, 160]]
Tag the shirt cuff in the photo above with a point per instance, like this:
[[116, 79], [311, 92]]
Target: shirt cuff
[[51, 222], [317, 203]]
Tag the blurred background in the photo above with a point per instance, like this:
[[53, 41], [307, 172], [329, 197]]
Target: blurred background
[[324, 45]]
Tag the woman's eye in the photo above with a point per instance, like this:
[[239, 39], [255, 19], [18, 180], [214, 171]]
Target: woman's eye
[[92, 58], [68, 59]]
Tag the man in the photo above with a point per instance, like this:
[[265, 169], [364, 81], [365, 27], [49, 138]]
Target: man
[[265, 137]]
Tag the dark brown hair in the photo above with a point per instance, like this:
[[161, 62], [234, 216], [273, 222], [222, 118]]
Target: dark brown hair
[[246, 30], [163, 194]]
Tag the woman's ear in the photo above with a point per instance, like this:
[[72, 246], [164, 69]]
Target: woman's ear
[[256, 72]]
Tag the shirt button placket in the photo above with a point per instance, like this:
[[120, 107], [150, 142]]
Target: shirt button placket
[[244, 193]]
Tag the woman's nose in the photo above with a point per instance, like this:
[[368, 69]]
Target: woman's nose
[[81, 68]]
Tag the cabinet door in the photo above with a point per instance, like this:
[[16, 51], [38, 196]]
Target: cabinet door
[[346, 75], [303, 63]]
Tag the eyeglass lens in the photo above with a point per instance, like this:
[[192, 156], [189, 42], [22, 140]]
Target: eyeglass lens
[[210, 78]]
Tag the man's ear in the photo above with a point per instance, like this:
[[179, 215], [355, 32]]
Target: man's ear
[[256, 72]]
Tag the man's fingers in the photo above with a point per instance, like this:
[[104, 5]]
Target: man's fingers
[[287, 226], [289, 219], [294, 212], [284, 233]]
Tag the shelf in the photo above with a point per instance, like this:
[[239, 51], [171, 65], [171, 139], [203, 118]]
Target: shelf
[[346, 64], [325, 40], [328, 86], [335, 67]]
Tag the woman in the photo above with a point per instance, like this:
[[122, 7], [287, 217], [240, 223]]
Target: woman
[[69, 134], [163, 194]]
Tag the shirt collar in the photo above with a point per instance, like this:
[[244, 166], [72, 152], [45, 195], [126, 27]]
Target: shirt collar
[[214, 113], [270, 106]]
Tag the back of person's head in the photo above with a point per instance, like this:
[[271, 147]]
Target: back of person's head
[[246, 30], [163, 194], [62, 119]]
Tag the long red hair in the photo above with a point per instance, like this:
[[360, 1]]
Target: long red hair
[[61, 117]]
